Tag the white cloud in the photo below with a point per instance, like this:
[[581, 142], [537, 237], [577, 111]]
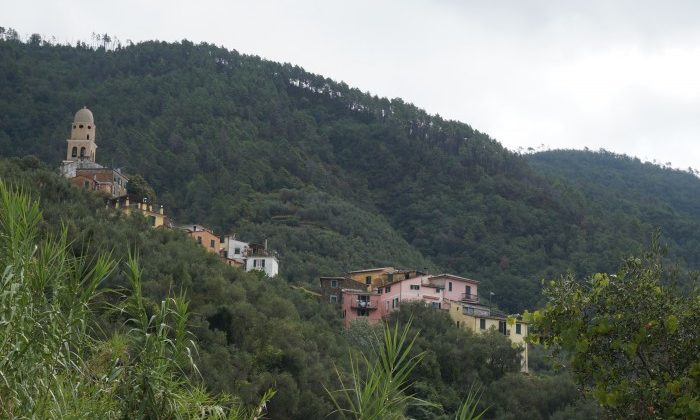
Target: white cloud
[[620, 75]]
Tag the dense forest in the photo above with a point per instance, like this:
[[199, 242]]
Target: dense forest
[[335, 179]]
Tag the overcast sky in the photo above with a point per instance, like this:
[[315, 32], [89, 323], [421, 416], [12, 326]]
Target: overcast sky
[[619, 75]]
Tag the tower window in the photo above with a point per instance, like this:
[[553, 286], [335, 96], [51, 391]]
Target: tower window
[[88, 137], [74, 152], [81, 126], [73, 125], [89, 127]]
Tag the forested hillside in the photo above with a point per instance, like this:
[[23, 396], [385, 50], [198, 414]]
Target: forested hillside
[[334, 178], [636, 197], [253, 333]]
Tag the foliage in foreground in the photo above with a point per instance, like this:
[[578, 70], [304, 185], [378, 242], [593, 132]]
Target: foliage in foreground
[[51, 366], [382, 390], [631, 338]]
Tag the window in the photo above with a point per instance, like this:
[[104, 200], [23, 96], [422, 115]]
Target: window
[[74, 152], [395, 302], [518, 329], [88, 127], [81, 126], [415, 287], [387, 289], [482, 324], [334, 298], [262, 263], [468, 290], [212, 243], [407, 276], [334, 284], [88, 137], [82, 152], [152, 220], [449, 286], [86, 185], [386, 304], [73, 125], [502, 327], [436, 305], [457, 324], [344, 313], [368, 280], [199, 240], [237, 251]]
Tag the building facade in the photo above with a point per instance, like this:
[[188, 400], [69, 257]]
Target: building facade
[[203, 236], [482, 318], [80, 165], [332, 288], [369, 295], [154, 215]]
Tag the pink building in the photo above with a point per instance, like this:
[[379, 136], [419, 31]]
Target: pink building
[[360, 304], [435, 291]]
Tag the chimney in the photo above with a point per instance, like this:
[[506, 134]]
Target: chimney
[[265, 244], [161, 209]]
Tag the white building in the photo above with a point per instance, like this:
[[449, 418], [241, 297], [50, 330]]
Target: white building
[[250, 255], [268, 264], [234, 248]]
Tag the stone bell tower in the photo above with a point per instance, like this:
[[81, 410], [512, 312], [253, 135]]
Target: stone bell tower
[[81, 144]]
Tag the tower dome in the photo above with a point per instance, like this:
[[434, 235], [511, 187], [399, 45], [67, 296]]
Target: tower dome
[[84, 115]]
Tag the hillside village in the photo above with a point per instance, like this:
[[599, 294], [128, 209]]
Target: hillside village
[[373, 294], [83, 171], [365, 294]]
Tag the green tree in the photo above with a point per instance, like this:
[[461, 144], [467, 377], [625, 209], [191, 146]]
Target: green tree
[[631, 338], [140, 189]]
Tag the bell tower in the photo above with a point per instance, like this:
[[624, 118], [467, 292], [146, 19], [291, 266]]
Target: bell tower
[[81, 144]]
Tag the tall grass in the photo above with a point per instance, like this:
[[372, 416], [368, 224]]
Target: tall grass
[[51, 366]]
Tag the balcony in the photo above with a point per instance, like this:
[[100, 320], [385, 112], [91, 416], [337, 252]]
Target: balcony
[[361, 304], [466, 297]]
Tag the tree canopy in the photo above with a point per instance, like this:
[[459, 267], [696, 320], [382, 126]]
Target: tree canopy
[[631, 338]]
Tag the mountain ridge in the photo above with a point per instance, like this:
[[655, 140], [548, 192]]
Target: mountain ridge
[[334, 178]]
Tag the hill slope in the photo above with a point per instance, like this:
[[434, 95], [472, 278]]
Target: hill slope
[[637, 197], [335, 178]]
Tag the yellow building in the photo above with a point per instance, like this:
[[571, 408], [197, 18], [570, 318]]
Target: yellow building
[[481, 318], [156, 218], [376, 277]]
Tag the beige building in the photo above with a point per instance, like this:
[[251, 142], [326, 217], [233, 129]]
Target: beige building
[[80, 166], [155, 215]]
